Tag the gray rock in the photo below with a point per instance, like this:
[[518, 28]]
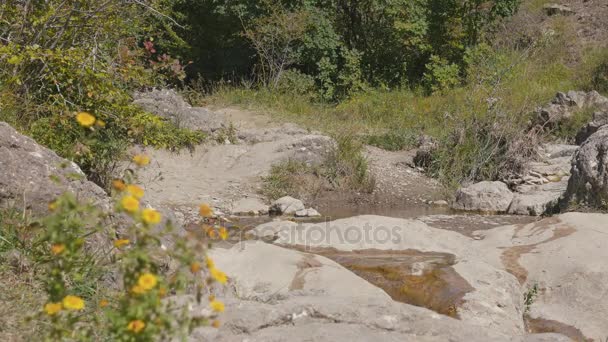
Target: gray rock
[[557, 9], [600, 118], [286, 205], [310, 212], [426, 147], [249, 206], [565, 104], [484, 196], [589, 181], [310, 149], [538, 200], [167, 103], [27, 172], [564, 257]]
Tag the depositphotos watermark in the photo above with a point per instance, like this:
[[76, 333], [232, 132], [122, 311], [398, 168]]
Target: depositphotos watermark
[[327, 233]]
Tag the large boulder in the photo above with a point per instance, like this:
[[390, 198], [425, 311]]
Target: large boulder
[[588, 184], [561, 261], [32, 175], [286, 205], [600, 118], [279, 294], [564, 105], [484, 196], [167, 103]]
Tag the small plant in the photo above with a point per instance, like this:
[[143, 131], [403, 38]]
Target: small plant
[[529, 297]]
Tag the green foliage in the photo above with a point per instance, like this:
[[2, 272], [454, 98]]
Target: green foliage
[[440, 75], [393, 140], [600, 78]]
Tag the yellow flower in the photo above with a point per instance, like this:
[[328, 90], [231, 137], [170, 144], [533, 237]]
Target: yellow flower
[[73, 303], [135, 190], [216, 324], [216, 305], [210, 263], [103, 303], [52, 308], [100, 123], [136, 326], [162, 291], [211, 232], [53, 206], [147, 281], [205, 210], [130, 203], [85, 119], [195, 267], [218, 275], [141, 160], [121, 242], [119, 185], [57, 248], [137, 289], [151, 216], [223, 233]]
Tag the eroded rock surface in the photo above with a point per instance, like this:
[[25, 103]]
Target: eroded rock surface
[[27, 171], [484, 196]]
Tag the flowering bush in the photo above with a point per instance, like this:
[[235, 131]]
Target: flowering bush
[[137, 309]]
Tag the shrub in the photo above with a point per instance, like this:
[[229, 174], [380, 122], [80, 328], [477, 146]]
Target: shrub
[[440, 75], [600, 78]]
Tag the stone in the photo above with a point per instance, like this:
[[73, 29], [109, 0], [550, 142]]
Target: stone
[[27, 172], [286, 205], [565, 104], [424, 154], [310, 212], [168, 104], [249, 206], [600, 118], [588, 184], [557, 9], [484, 196], [564, 257]]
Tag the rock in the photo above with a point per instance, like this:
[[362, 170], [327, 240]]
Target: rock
[[571, 281], [167, 103], [484, 196], [284, 294], [553, 151], [565, 104], [310, 149], [557, 9], [286, 205], [440, 203], [249, 206], [310, 212], [589, 181], [27, 169], [600, 118], [537, 200]]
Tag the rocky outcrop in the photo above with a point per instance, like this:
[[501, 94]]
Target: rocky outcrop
[[564, 105], [560, 262], [588, 184], [484, 196], [279, 294], [167, 103], [32, 176], [286, 205], [600, 118]]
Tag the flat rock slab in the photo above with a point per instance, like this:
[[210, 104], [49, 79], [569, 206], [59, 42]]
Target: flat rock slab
[[484, 196]]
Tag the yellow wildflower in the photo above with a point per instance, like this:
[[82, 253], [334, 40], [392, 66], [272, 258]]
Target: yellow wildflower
[[73, 303], [195, 267], [141, 160], [119, 185], [135, 190], [147, 281], [211, 232], [205, 210], [137, 289], [103, 303], [216, 324], [136, 326], [216, 305], [223, 233], [100, 123], [121, 242], [85, 119], [162, 291], [130, 203], [210, 263], [218, 275], [57, 248], [151, 216], [52, 308]]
